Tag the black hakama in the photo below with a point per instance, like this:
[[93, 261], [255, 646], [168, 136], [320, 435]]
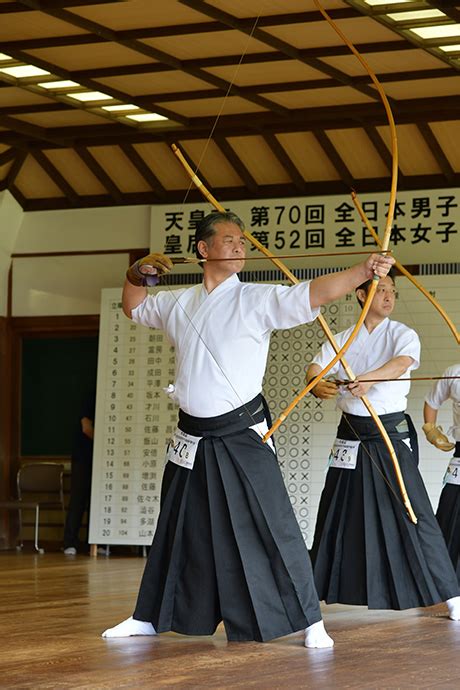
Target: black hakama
[[227, 545], [366, 551], [448, 516]]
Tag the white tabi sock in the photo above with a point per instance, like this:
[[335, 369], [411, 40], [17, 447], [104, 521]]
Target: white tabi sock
[[317, 637], [129, 628], [454, 608]]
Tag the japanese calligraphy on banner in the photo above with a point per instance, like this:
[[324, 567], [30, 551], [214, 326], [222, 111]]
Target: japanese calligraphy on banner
[[425, 227]]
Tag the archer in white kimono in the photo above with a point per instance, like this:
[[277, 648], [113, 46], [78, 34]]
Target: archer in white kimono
[[227, 546], [365, 550]]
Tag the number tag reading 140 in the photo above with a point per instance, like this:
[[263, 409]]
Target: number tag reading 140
[[344, 454], [452, 475], [182, 448]]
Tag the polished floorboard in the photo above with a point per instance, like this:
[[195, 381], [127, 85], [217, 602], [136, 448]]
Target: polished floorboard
[[54, 607]]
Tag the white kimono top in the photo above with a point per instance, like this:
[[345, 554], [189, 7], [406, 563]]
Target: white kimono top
[[222, 338], [442, 391], [370, 351]]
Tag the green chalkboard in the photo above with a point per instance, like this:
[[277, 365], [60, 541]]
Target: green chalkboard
[[56, 376]]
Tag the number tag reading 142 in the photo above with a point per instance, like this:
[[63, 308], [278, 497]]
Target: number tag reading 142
[[452, 475], [344, 454], [182, 448]]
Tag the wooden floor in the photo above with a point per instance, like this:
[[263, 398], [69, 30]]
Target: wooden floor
[[54, 607]]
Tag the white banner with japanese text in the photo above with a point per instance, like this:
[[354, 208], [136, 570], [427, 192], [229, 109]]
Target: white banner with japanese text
[[425, 227]]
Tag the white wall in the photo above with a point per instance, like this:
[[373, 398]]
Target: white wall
[[84, 229], [71, 285]]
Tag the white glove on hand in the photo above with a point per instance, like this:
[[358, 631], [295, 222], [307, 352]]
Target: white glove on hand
[[434, 434]]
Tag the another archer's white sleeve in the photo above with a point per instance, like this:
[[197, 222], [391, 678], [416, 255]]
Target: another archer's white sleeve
[[444, 389], [327, 353]]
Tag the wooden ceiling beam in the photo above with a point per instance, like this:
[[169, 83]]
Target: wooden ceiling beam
[[249, 59], [379, 145], [228, 194], [334, 157], [286, 162], [144, 170], [91, 136], [34, 108], [15, 168], [285, 87], [236, 163], [382, 150], [411, 111], [100, 174], [7, 156], [54, 174], [29, 130], [19, 196], [436, 150], [278, 44]]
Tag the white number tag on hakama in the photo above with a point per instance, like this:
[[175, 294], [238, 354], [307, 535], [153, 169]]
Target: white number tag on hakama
[[344, 454], [452, 475], [182, 448]]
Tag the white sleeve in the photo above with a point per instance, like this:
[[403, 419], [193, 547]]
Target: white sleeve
[[324, 356], [441, 390], [288, 306], [407, 344], [147, 313]]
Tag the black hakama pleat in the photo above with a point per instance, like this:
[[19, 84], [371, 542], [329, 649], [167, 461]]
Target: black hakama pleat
[[228, 546], [448, 516], [366, 551]]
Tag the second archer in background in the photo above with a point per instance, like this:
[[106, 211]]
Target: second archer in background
[[366, 551]]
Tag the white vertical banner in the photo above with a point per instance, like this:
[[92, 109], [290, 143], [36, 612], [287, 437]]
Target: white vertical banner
[[134, 421]]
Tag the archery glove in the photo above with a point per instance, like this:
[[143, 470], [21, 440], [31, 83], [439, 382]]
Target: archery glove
[[434, 434], [146, 271]]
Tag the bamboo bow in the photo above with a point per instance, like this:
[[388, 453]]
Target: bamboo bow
[[324, 325]]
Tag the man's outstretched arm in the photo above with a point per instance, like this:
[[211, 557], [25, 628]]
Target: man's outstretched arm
[[332, 286]]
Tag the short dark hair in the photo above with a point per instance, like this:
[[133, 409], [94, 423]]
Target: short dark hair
[[365, 286], [206, 227]]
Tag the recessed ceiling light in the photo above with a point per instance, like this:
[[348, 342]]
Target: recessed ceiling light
[[147, 117], [63, 84], [419, 14], [22, 71], [442, 31], [90, 96], [451, 48], [386, 2], [120, 108]]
